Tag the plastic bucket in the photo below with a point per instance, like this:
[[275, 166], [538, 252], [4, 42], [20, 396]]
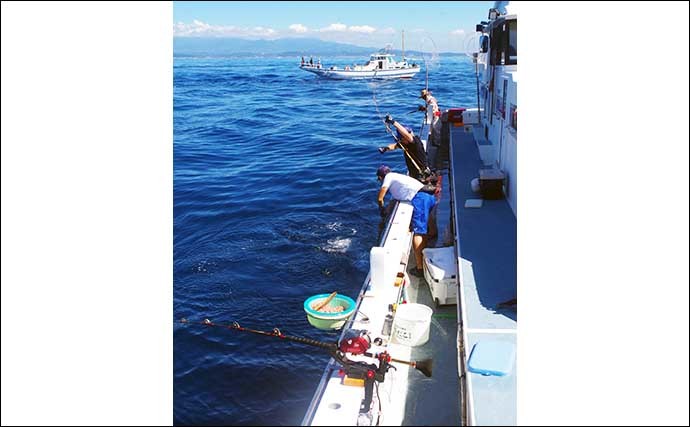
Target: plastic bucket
[[328, 321], [411, 325]]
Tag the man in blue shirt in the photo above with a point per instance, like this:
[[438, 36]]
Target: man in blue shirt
[[406, 188]]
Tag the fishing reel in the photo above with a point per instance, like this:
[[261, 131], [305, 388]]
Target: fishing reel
[[355, 341]]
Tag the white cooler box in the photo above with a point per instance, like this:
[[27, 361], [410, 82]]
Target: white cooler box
[[440, 272]]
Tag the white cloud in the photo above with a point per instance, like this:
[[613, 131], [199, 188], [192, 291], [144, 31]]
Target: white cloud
[[202, 29], [362, 29], [262, 31], [298, 28], [359, 34], [334, 27]]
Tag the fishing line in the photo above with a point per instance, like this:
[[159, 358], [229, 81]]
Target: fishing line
[[475, 58], [388, 129], [373, 86], [434, 61]]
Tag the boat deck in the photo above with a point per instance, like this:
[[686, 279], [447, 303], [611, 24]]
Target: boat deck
[[485, 242], [435, 400], [487, 250]]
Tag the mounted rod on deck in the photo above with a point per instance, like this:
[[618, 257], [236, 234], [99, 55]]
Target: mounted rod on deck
[[275, 333], [424, 366]]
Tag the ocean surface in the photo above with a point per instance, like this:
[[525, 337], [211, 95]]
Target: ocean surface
[[275, 201]]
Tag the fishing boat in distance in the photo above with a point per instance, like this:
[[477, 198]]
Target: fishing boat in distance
[[381, 65]]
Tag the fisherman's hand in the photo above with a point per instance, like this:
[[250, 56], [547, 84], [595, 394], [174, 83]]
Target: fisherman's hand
[[383, 149], [389, 119], [421, 108]]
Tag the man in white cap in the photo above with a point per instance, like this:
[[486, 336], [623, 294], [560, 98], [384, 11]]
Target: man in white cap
[[406, 188]]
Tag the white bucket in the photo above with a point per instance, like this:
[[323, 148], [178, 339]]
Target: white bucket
[[411, 325]]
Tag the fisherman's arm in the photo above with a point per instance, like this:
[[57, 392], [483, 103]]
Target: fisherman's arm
[[388, 147], [382, 194]]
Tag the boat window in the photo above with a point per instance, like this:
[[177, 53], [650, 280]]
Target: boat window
[[512, 43], [497, 43], [504, 44], [484, 43]]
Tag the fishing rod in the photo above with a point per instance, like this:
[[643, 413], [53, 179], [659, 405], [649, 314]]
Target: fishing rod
[[426, 71], [421, 172], [475, 59], [275, 333], [355, 342]]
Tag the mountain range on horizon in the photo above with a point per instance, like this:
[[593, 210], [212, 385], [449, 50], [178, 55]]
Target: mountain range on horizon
[[219, 47]]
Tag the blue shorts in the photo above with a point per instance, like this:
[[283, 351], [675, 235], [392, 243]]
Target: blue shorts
[[422, 204]]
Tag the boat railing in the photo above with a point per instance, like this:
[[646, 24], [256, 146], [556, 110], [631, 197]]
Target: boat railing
[[332, 364]]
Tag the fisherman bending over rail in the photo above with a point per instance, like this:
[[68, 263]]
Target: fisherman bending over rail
[[405, 188], [415, 155]]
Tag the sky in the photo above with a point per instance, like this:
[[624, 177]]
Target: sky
[[445, 26]]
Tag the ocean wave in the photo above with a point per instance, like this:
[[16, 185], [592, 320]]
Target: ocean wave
[[337, 245]]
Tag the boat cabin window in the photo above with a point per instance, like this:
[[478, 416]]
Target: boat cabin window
[[512, 43], [483, 43], [504, 43]]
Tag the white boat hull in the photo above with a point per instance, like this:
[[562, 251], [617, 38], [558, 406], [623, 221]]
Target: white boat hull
[[367, 74]]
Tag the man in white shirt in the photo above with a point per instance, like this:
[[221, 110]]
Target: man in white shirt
[[406, 188]]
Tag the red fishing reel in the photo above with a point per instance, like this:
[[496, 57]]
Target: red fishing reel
[[355, 341]]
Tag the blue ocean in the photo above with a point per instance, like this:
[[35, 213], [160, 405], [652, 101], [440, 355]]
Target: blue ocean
[[275, 201]]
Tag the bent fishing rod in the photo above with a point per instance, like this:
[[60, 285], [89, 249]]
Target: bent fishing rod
[[354, 342]]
